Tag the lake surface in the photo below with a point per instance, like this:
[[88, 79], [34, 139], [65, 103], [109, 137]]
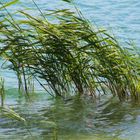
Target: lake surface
[[78, 119], [106, 119]]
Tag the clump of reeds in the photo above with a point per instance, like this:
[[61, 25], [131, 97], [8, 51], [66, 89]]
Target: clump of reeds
[[70, 55]]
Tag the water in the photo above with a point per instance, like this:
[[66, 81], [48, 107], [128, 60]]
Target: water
[[107, 119], [82, 119]]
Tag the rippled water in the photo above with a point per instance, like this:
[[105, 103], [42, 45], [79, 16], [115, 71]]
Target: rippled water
[[78, 119]]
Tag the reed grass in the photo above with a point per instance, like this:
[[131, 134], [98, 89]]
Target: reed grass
[[70, 55], [2, 91], [5, 111]]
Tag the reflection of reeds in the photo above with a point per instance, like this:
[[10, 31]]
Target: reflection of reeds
[[70, 55]]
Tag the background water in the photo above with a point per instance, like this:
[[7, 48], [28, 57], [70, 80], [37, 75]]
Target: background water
[[77, 119]]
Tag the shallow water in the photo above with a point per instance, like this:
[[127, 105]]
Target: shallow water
[[77, 119]]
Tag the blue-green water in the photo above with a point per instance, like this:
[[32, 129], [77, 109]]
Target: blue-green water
[[78, 119], [107, 119]]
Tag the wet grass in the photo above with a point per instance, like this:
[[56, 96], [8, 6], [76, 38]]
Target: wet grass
[[68, 55]]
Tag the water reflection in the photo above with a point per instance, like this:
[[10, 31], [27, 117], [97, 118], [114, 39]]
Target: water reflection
[[76, 119], [80, 116]]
